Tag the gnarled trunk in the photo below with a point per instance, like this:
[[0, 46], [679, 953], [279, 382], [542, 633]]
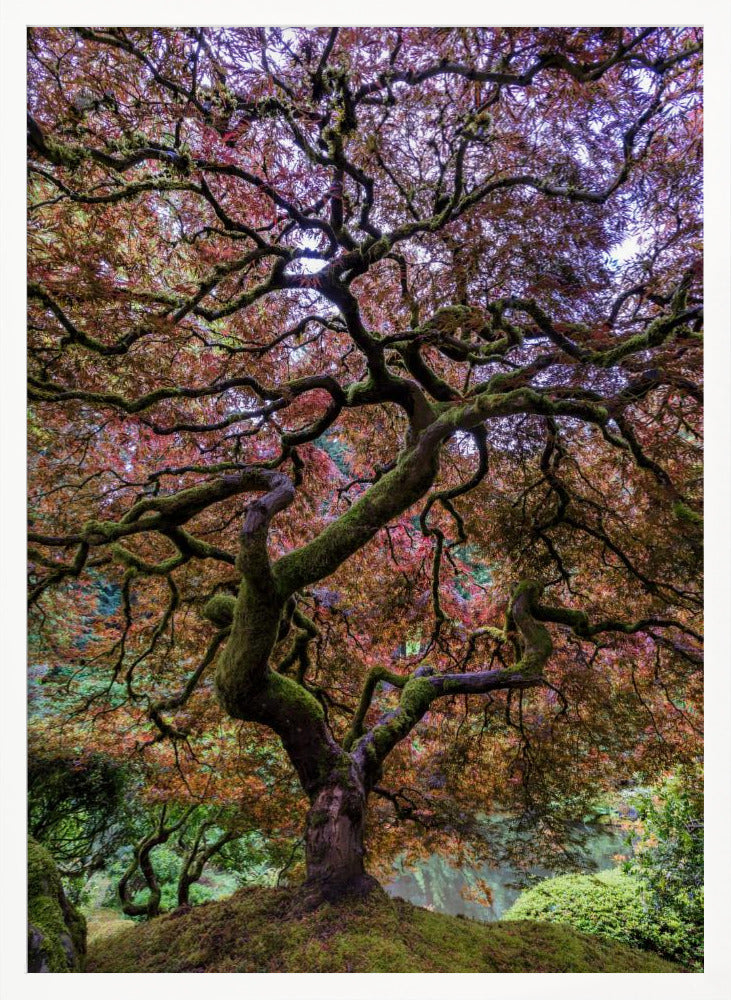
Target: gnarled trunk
[[334, 841]]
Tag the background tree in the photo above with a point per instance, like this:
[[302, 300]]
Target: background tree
[[200, 837], [74, 807], [365, 364]]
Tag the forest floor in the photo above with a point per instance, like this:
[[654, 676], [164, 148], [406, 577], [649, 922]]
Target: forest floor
[[266, 930]]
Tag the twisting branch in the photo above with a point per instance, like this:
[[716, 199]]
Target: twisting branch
[[253, 183], [534, 648], [142, 861], [200, 854]]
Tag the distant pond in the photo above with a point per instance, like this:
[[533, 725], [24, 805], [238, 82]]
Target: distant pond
[[438, 885]]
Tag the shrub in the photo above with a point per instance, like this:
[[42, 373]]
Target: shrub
[[611, 903], [656, 899], [668, 863], [606, 903], [75, 807]]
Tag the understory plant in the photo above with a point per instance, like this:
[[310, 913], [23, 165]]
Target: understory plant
[[655, 899]]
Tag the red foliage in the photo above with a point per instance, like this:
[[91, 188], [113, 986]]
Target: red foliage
[[308, 250]]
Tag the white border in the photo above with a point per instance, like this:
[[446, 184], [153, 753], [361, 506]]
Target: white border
[[713, 16]]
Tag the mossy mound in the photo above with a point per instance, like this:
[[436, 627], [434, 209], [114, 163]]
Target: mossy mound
[[56, 929], [266, 930]]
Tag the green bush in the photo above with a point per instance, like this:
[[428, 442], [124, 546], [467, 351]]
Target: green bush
[[656, 899], [668, 862], [607, 903], [611, 903]]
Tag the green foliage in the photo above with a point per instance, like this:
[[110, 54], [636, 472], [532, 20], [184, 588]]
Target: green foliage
[[88, 812], [253, 858], [610, 903], [245, 860], [74, 807], [606, 903], [376, 934], [668, 863]]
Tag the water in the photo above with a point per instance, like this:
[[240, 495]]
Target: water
[[436, 884]]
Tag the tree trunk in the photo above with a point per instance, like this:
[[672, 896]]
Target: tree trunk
[[334, 842]]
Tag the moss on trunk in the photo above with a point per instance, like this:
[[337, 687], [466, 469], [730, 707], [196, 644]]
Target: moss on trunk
[[56, 930]]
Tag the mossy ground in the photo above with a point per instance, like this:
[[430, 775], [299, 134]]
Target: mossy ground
[[104, 922], [264, 930]]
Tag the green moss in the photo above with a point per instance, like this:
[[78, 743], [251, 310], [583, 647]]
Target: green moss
[[418, 693], [531, 588], [684, 513], [64, 156], [56, 930], [263, 930], [659, 331], [578, 620], [628, 346], [220, 610], [291, 694], [536, 640], [134, 562], [102, 531]]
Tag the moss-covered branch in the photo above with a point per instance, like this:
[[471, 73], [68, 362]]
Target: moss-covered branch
[[394, 493], [420, 689], [417, 695], [374, 677], [142, 861], [45, 391], [578, 622], [166, 514]]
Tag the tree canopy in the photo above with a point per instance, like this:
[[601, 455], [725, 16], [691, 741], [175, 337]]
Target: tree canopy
[[365, 380]]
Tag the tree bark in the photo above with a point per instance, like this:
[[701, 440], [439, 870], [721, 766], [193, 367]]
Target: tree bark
[[334, 852]]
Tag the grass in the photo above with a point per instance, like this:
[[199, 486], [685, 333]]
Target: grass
[[104, 922], [265, 930]]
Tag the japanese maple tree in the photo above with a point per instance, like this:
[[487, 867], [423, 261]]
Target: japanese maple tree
[[365, 369]]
